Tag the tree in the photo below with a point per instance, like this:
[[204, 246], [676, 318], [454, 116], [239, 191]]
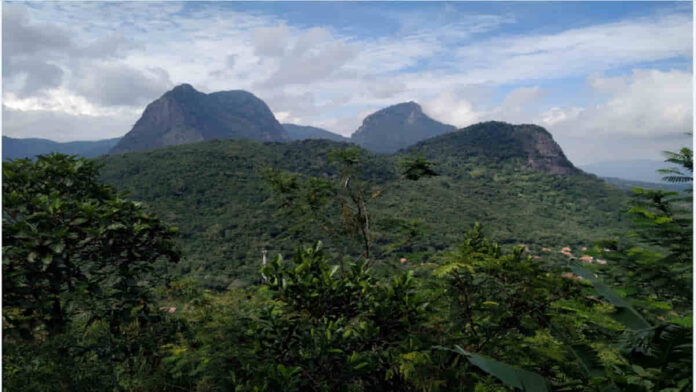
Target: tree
[[505, 305], [76, 254], [653, 266], [683, 174], [655, 258], [314, 197], [322, 329]]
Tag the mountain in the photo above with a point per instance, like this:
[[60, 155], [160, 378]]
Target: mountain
[[498, 174], [628, 185], [13, 148], [526, 145], [635, 170], [184, 115], [302, 132], [396, 127]]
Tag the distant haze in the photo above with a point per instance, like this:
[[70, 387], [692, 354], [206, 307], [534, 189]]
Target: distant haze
[[638, 170]]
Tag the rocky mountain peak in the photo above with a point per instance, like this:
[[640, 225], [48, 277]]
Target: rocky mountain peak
[[397, 127], [183, 88], [185, 115]]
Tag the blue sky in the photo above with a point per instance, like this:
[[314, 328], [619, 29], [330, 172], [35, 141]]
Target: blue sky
[[610, 80]]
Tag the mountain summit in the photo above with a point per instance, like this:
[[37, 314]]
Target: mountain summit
[[527, 144], [397, 127], [185, 115]]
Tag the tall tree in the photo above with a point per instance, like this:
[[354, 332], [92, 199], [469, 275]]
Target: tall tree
[[315, 198], [78, 262]]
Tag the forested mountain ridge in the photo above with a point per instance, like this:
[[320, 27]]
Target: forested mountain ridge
[[185, 115], [92, 301], [85, 305], [396, 127], [528, 144], [302, 132], [216, 193], [16, 148]]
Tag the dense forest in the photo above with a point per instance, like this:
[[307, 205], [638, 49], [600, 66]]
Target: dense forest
[[219, 195], [376, 279]]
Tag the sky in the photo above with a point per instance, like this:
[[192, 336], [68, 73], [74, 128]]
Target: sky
[[609, 80]]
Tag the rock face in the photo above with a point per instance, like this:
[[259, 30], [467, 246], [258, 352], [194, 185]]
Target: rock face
[[184, 115], [397, 127], [529, 144], [302, 132], [543, 153]]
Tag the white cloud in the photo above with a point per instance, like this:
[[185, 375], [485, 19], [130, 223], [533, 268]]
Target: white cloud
[[557, 115], [61, 100], [65, 58], [522, 96], [452, 109], [384, 88], [647, 103], [22, 37], [642, 114], [28, 77], [114, 84], [579, 51], [63, 126], [271, 41], [468, 106], [343, 124], [314, 55]]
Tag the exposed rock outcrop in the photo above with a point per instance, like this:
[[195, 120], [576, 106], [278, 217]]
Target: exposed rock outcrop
[[185, 115], [396, 127]]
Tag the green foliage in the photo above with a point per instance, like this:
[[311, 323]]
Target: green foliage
[[653, 264], [318, 325], [655, 259], [685, 159], [416, 167], [323, 328], [217, 194], [510, 375], [624, 313], [78, 263], [508, 306], [659, 357], [313, 198]]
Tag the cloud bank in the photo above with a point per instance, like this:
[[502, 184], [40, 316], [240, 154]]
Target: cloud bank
[[86, 70]]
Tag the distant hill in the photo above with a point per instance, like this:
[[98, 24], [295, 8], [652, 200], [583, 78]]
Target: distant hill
[[530, 146], [396, 127], [630, 184], [302, 132], [184, 115], [635, 170], [15, 148], [215, 193]]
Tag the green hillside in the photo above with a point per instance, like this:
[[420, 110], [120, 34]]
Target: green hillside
[[216, 194]]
